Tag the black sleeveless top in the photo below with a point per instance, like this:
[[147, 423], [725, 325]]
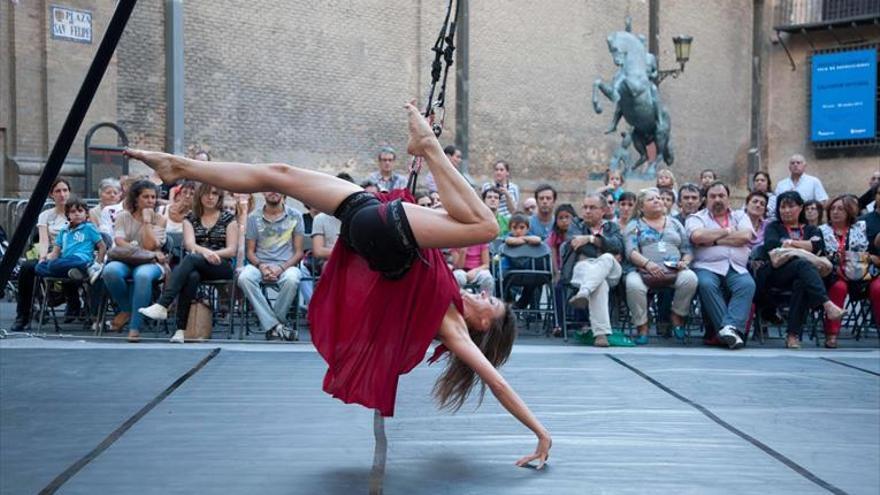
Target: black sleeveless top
[[215, 237]]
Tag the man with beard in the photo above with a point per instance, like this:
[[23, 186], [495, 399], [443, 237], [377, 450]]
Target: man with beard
[[720, 239], [274, 248]]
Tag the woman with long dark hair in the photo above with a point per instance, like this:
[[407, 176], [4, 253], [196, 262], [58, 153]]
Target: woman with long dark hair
[[389, 273]]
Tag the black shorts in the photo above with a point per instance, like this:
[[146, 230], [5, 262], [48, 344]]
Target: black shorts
[[379, 232]]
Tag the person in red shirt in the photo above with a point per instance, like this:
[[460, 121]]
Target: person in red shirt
[[387, 269]]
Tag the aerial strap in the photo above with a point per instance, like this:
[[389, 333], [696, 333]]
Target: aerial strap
[[435, 110]]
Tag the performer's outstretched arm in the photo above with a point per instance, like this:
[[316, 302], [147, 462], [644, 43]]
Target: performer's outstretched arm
[[454, 335]]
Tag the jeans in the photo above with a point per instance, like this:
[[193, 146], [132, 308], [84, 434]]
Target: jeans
[[59, 267], [734, 312], [249, 280], [131, 296], [185, 280]]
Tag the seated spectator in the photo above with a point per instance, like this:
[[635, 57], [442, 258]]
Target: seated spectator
[[307, 218], [138, 226], [179, 207], [597, 266], [720, 238], [872, 232], [470, 265], [613, 183], [665, 180], [519, 236], [210, 235], [274, 240], [509, 190], [847, 241], [244, 206], [625, 208], [667, 197], [814, 212], [689, 200], [656, 242], [541, 222], [756, 209], [792, 271], [492, 198], [423, 198], [610, 207], [49, 223], [453, 154], [109, 193], [761, 183], [370, 186], [530, 206], [385, 178], [435, 200], [74, 253], [866, 200]]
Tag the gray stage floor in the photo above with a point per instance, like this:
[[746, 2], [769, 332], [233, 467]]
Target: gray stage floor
[[75, 416]]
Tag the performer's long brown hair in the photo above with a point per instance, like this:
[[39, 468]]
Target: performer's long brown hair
[[458, 379]]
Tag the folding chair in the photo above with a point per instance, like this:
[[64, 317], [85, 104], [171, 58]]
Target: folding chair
[[529, 265]]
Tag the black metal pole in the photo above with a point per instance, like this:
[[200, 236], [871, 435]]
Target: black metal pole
[[66, 136]]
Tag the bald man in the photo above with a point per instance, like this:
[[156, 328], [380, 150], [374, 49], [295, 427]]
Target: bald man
[[809, 187]]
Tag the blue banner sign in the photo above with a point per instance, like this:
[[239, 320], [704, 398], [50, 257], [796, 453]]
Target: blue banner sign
[[844, 96]]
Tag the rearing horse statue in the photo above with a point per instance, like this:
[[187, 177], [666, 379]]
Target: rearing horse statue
[[637, 100]]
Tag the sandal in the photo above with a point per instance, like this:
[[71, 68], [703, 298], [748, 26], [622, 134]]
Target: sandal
[[792, 342]]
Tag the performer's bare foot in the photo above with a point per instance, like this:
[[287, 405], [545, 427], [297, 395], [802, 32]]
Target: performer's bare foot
[[833, 312], [165, 165], [421, 137]]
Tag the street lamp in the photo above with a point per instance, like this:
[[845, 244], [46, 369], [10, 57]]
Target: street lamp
[[682, 55]]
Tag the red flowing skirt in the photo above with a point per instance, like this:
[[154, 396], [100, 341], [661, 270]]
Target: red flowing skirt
[[369, 329]]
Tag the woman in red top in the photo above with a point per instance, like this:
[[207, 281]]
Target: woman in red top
[[397, 290]]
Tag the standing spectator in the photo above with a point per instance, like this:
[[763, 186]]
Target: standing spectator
[[808, 187], [453, 154], [656, 242], [707, 178], [509, 190], [597, 266], [795, 273], [844, 238], [613, 183], [761, 183], [689, 200], [386, 178], [470, 265], [74, 253], [139, 226], [109, 193], [210, 235], [492, 199], [872, 232], [274, 249], [541, 222], [814, 212], [665, 179], [49, 223], [564, 229], [530, 206], [866, 201], [756, 209], [626, 206], [720, 239]]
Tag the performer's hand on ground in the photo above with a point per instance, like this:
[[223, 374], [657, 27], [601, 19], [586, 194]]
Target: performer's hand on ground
[[542, 453], [421, 137], [162, 163]]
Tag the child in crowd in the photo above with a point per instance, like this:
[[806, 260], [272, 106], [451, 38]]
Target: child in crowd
[[665, 179], [518, 236], [613, 182], [74, 253]]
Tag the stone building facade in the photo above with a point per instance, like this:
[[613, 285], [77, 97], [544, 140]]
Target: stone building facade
[[321, 85]]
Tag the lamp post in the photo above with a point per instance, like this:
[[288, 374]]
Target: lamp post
[[682, 55]]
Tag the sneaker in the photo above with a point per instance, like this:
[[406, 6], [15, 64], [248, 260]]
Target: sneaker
[[155, 312], [177, 338], [76, 274], [641, 340], [730, 337], [680, 334], [580, 300], [286, 333], [271, 333], [600, 341], [94, 272]]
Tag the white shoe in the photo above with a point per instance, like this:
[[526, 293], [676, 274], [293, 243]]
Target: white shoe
[[580, 300], [177, 338], [155, 312], [94, 272], [730, 337]]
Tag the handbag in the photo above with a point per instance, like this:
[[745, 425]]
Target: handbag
[[131, 255], [666, 279], [200, 323], [856, 266]]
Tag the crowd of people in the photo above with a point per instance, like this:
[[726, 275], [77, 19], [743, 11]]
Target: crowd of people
[[147, 246]]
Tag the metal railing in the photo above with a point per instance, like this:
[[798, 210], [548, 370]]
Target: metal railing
[[789, 13]]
